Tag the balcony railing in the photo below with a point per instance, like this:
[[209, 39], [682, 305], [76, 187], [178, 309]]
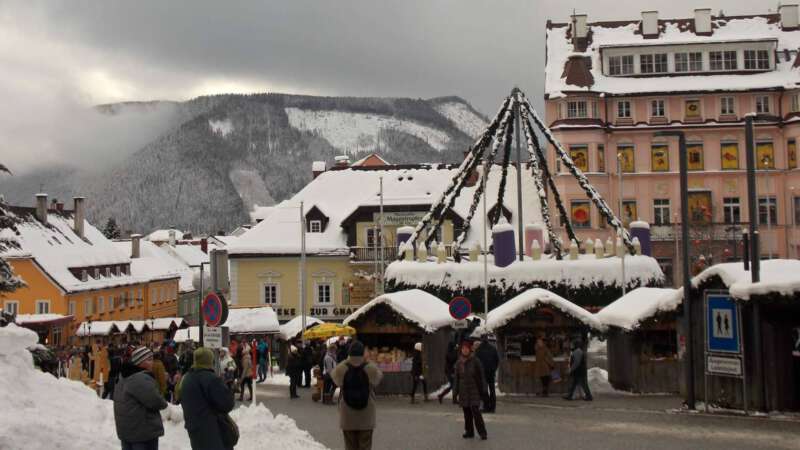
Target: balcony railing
[[372, 254]]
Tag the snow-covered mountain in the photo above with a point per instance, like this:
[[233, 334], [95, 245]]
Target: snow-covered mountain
[[224, 153]]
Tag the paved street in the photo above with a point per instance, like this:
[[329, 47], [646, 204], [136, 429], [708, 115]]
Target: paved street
[[610, 422]]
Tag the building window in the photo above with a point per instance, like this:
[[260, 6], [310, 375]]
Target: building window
[[723, 60], [162, 295], [694, 152], [11, 307], [324, 293], [576, 109], [316, 226], [661, 211], [101, 305], [659, 157], [71, 308], [731, 210], [271, 294], [729, 155], [96, 273], [87, 307], [108, 271], [139, 297], [689, 62], [756, 60], [580, 156], [624, 109], [668, 269], [692, 110], [118, 270], [762, 104], [373, 237], [796, 201], [656, 63], [581, 213], [629, 213], [765, 155], [658, 108], [794, 103], [152, 296], [791, 154], [726, 107], [601, 158], [84, 275], [620, 65], [625, 158], [42, 306], [767, 210]]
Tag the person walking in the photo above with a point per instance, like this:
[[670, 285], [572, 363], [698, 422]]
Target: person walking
[[543, 366], [578, 372], [262, 360], [450, 359], [329, 363], [357, 380], [245, 371], [307, 359], [137, 403], [115, 364], [490, 360], [228, 366], [417, 376], [471, 390], [206, 401], [294, 367]]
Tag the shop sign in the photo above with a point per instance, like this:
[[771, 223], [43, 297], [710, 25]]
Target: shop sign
[[399, 218], [334, 313]]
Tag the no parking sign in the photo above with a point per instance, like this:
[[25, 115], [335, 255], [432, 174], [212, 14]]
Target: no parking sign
[[460, 308], [215, 309]]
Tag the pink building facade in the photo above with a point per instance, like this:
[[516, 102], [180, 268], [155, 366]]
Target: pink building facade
[[611, 86]]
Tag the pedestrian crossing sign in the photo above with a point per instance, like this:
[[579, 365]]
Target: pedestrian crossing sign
[[722, 324]]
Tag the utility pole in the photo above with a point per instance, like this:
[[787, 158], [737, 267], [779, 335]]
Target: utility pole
[[380, 234], [303, 273]]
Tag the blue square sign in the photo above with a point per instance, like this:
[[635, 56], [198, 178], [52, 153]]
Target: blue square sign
[[722, 324]]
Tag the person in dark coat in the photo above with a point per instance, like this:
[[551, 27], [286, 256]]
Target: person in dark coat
[[115, 364], [471, 390], [417, 376], [294, 367], [341, 350], [204, 397], [578, 372], [137, 403], [450, 359], [490, 360], [307, 357]]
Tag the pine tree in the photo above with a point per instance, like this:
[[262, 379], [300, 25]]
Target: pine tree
[[111, 230], [8, 220]]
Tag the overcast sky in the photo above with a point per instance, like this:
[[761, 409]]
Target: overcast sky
[[58, 58]]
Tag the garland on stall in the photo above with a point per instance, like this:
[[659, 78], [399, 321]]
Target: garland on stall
[[498, 210], [476, 199], [590, 191]]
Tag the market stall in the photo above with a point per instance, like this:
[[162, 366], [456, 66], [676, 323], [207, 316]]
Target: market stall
[[101, 331], [391, 324], [642, 341], [519, 321], [49, 327], [290, 331]]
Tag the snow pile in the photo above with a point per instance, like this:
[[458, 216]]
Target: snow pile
[[354, 132], [599, 384], [293, 327], [639, 305], [778, 276], [252, 320], [32, 406], [420, 307], [534, 298], [463, 118], [221, 127]]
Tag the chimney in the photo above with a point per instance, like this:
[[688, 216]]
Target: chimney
[[79, 216], [317, 167], [702, 21], [41, 208], [136, 245], [172, 238], [579, 29], [789, 17], [650, 24], [342, 161], [204, 245]]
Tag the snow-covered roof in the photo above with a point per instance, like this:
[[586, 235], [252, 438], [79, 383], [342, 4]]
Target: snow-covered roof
[[56, 248], [584, 271], [293, 327], [252, 320], [98, 328], [163, 235], [778, 276], [363, 160], [639, 305], [534, 298], [32, 319], [186, 334], [339, 193], [155, 263], [418, 306], [259, 213], [191, 255], [674, 31]]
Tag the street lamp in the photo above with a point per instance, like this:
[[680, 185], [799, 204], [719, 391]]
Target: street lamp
[[152, 330], [200, 321], [687, 286], [765, 161], [620, 157]]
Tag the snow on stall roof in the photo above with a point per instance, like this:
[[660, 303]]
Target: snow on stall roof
[[559, 49], [339, 193], [293, 327], [99, 328], [155, 263], [418, 306], [584, 271], [252, 320], [533, 298], [31, 319], [778, 276], [639, 305]]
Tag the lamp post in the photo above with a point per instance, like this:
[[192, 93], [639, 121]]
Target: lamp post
[[768, 206], [687, 286], [200, 321], [89, 333], [152, 330], [622, 257]]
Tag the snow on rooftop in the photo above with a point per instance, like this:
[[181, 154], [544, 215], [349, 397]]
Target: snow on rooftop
[[778, 276], [252, 320], [417, 306], [155, 263], [584, 271], [98, 328], [30, 319], [339, 193], [639, 305], [560, 48], [534, 298], [191, 255], [292, 328], [260, 213]]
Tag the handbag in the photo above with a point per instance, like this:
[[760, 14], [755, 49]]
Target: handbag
[[555, 376], [229, 431]]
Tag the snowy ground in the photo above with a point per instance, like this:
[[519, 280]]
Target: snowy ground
[[32, 408]]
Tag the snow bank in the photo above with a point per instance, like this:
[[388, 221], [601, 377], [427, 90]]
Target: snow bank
[[32, 406], [533, 298], [778, 276], [418, 306], [639, 305]]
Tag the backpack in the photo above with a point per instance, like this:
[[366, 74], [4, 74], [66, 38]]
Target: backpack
[[355, 388]]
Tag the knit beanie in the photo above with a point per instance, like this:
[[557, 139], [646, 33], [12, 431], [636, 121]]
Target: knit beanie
[[203, 358], [140, 354], [356, 349]]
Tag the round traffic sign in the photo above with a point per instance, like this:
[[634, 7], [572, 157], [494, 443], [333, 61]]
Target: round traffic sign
[[460, 308], [214, 309]]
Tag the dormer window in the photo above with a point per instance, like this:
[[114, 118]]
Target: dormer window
[[620, 65], [656, 63], [316, 220], [576, 109], [723, 60], [84, 275], [756, 60], [96, 273], [108, 271], [689, 62], [315, 226], [119, 271]]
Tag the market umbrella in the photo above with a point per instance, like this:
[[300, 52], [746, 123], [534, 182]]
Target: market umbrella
[[328, 330]]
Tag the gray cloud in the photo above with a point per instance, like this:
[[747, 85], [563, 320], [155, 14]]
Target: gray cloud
[[59, 58]]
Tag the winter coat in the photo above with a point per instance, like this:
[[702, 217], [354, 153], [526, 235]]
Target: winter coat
[[416, 364], [262, 351], [489, 358], [204, 396], [450, 360], [341, 353], [101, 365], [186, 361], [294, 364], [307, 356], [170, 363], [160, 374], [247, 367], [75, 368], [329, 363], [357, 419], [137, 403], [577, 362], [470, 383], [544, 363]]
